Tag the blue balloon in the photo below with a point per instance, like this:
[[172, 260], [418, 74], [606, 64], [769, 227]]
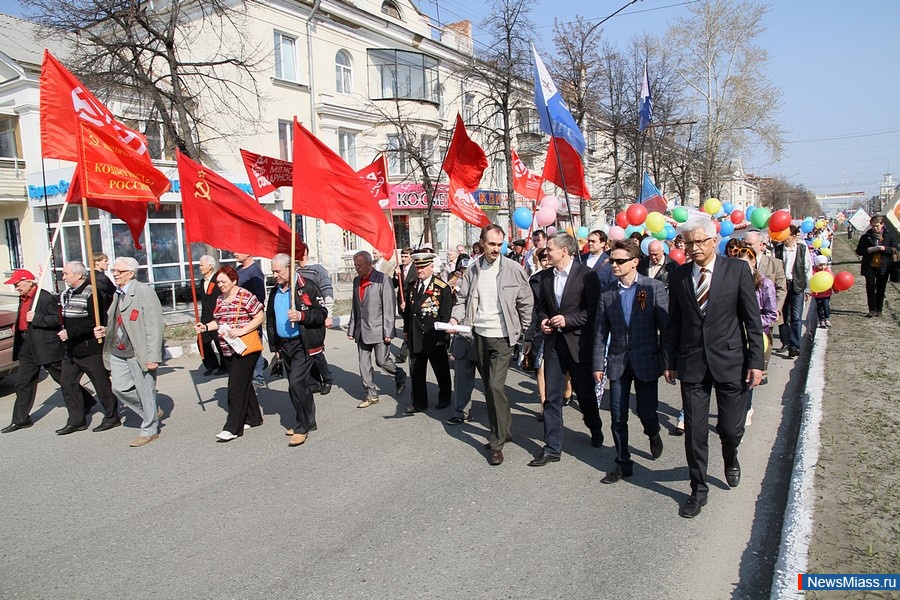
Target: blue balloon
[[523, 217], [582, 232], [504, 248], [666, 249], [670, 233], [633, 228], [807, 226], [749, 211], [722, 245], [645, 245], [825, 243], [728, 207], [727, 228]]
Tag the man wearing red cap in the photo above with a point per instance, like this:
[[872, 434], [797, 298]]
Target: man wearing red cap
[[36, 345]]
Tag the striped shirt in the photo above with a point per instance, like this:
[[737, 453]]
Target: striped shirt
[[237, 312]]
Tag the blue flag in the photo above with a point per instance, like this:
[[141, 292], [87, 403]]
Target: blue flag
[[651, 197], [556, 120], [646, 110]]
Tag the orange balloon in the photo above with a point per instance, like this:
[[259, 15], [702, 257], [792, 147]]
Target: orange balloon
[[780, 236]]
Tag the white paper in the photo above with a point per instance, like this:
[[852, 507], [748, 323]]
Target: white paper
[[448, 327]]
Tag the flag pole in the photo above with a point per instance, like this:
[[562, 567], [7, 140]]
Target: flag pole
[[49, 261], [293, 257], [47, 221], [434, 188], [190, 256], [90, 255], [562, 176]]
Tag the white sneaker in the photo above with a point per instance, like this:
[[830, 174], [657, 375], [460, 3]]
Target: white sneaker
[[749, 420], [246, 426], [225, 436]]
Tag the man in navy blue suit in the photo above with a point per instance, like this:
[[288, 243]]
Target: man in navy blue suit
[[713, 340], [596, 258], [631, 314]]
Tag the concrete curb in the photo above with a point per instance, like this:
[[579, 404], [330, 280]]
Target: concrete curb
[[793, 552], [177, 349]]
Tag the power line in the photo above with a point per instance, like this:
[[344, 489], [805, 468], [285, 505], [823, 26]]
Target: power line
[[847, 136], [635, 12]]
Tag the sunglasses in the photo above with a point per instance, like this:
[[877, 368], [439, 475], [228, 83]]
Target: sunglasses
[[735, 252], [620, 261]]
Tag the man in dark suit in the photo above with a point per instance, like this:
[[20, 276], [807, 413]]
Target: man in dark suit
[[209, 292], [713, 339], [657, 265], [404, 276], [597, 258], [631, 313], [428, 301], [36, 344], [296, 333], [565, 308]]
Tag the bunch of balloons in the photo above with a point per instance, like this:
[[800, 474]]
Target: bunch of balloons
[[824, 281]]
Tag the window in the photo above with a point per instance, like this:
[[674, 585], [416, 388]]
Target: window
[[439, 98], [298, 222], [156, 144], [427, 147], [401, 231], [396, 156], [469, 107], [343, 73], [350, 241], [529, 122], [347, 147], [285, 57], [391, 9], [396, 74], [9, 146], [14, 243], [285, 140]]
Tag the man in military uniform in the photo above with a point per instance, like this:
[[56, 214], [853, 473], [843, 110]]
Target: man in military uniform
[[428, 301]]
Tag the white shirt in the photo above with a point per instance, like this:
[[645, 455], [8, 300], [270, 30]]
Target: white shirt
[[592, 259], [709, 272], [559, 281]]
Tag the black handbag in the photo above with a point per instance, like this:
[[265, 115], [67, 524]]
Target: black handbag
[[276, 370]]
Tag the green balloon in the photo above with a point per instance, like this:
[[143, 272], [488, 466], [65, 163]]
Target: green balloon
[[660, 235], [680, 214], [760, 217]]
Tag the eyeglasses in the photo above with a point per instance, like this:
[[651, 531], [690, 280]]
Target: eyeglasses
[[120, 271], [620, 261], [735, 252], [697, 242]]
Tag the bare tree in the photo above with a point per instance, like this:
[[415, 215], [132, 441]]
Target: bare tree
[[724, 74], [502, 72], [181, 64], [777, 193]]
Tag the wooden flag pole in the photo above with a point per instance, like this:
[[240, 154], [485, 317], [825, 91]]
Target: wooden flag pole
[[293, 254], [90, 255]]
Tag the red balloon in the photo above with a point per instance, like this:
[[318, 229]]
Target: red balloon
[[718, 225], [737, 217], [622, 220], [780, 220], [677, 255], [843, 281], [636, 214]]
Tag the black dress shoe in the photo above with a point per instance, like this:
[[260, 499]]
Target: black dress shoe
[[442, 405], [656, 446], [543, 459], [107, 425], [733, 474], [615, 475], [71, 429], [400, 380], [495, 458], [455, 421], [597, 438], [411, 410], [17, 426], [691, 508], [793, 352], [326, 389], [315, 388], [209, 372]]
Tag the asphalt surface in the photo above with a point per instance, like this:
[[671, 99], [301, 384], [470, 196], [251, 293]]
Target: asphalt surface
[[379, 505]]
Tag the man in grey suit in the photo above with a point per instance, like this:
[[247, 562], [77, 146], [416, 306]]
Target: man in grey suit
[[133, 347], [372, 316], [495, 300], [631, 315]]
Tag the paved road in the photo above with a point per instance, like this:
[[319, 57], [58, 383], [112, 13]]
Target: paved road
[[376, 505]]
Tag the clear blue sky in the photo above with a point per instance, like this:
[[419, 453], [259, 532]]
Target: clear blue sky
[[835, 61]]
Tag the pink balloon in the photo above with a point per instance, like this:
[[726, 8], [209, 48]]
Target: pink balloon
[[616, 233], [551, 230], [551, 201], [545, 216]]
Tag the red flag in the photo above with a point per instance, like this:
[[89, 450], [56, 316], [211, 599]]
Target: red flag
[[219, 214], [524, 181], [133, 214], [266, 173], [65, 101], [568, 166], [113, 172], [465, 161], [376, 175], [329, 189], [463, 205]]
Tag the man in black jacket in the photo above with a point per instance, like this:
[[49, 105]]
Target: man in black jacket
[[296, 333], [657, 265], [84, 354], [35, 345]]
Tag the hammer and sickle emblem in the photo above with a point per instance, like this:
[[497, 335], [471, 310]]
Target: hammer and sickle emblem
[[202, 190], [93, 140]]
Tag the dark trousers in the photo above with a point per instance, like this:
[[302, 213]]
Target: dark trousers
[[875, 285], [791, 331], [243, 407], [493, 364], [320, 371], [440, 365], [297, 366], [823, 308], [73, 368], [212, 353], [731, 404], [647, 403], [27, 379], [558, 361]]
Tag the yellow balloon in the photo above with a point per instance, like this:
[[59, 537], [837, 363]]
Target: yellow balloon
[[655, 222], [712, 206], [570, 231], [817, 243], [821, 281], [765, 343], [825, 251], [820, 224]]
